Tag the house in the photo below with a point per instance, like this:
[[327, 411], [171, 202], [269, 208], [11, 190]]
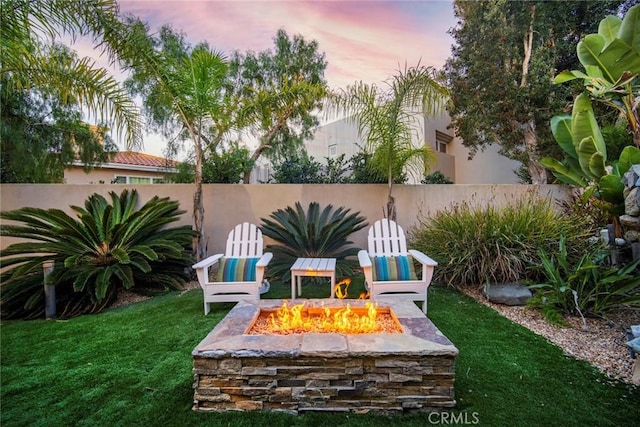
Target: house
[[487, 167], [125, 167]]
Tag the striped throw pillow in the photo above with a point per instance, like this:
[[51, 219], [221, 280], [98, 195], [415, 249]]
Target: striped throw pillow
[[237, 270], [393, 268]]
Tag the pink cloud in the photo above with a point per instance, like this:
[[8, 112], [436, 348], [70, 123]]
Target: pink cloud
[[362, 40]]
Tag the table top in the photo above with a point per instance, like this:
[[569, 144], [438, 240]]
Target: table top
[[315, 264]]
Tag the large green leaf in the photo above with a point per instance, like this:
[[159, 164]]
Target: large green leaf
[[585, 151], [629, 156], [619, 58], [584, 125], [589, 50], [609, 27], [563, 173], [561, 129], [611, 189], [629, 31], [596, 165], [567, 76]]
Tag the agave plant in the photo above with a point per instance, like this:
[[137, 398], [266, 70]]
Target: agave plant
[[312, 234], [108, 246]]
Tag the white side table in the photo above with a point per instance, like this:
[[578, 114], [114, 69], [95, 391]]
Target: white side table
[[312, 267]]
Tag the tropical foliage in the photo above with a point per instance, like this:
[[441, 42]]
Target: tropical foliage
[[108, 246], [611, 59], [182, 91], [29, 63], [504, 58], [387, 120], [40, 135], [475, 245], [586, 287], [316, 233]]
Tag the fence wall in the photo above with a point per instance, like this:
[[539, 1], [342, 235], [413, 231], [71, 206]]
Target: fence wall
[[229, 204]]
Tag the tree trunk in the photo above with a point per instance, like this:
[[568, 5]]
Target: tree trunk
[[528, 48], [264, 145], [537, 172], [391, 203], [199, 241]]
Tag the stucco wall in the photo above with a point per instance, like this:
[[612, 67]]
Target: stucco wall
[[229, 204]]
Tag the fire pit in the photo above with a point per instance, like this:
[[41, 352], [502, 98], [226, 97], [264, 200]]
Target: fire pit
[[407, 370]]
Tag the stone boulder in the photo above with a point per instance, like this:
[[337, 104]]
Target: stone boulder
[[507, 293]]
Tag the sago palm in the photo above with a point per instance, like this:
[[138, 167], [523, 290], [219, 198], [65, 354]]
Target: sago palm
[[315, 233], [108, 246], [389, 120]]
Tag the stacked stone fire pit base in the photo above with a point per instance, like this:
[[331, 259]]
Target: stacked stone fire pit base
[[381, 373]]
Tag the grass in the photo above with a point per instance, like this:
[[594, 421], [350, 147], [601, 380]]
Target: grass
[[132, 366]]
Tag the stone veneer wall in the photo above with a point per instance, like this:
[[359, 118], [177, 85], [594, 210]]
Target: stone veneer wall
[[388, 385], [381, 373]]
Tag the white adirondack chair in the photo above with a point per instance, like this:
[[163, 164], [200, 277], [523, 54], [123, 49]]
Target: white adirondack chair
[[244, 247], [387, 239]]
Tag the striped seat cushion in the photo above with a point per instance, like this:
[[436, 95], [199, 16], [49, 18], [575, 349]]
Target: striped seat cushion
[[393, 268], [237, 270]]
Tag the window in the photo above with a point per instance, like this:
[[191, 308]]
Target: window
[[442, 139], [123, 179], [333, 151], [138, 180]]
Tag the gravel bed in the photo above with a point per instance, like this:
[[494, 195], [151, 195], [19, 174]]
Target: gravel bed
[[602, 344]]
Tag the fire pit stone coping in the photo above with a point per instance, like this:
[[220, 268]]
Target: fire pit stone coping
[[383, 373]]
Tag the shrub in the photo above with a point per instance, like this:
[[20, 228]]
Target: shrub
[[477, 245], [436, 177], [587, 287], [311, 234], [585, 204], [107, 247]]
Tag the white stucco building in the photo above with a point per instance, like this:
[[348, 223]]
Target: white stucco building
[[487, 167]]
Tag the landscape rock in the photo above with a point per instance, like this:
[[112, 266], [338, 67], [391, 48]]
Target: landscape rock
[[632, 202], [507, 293]]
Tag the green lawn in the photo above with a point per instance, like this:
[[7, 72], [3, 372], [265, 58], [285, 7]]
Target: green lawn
[[132, 366]]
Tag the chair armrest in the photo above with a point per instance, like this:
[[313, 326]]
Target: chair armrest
[[363, 259], [207, 262], [422, 258], [367, 270], [261, 265], [264, 260]]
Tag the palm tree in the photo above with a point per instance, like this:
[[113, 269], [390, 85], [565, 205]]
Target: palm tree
[[183, 88], [387, 120], [25, 63]]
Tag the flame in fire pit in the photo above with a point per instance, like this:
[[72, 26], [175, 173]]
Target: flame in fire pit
[[300, 319], [297, 319]]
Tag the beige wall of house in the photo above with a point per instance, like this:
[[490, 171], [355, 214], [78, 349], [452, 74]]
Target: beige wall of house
[[103, 175], [229, 204]]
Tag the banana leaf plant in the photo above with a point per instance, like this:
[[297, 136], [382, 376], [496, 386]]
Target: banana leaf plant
[[611, 59], [585, 161]]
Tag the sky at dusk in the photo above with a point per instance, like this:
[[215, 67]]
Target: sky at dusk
[[362, 40]]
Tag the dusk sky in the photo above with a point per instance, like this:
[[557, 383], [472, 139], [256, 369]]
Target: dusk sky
[[362, 40]]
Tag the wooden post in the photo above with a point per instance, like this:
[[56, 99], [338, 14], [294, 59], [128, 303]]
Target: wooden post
[[49, 292]]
